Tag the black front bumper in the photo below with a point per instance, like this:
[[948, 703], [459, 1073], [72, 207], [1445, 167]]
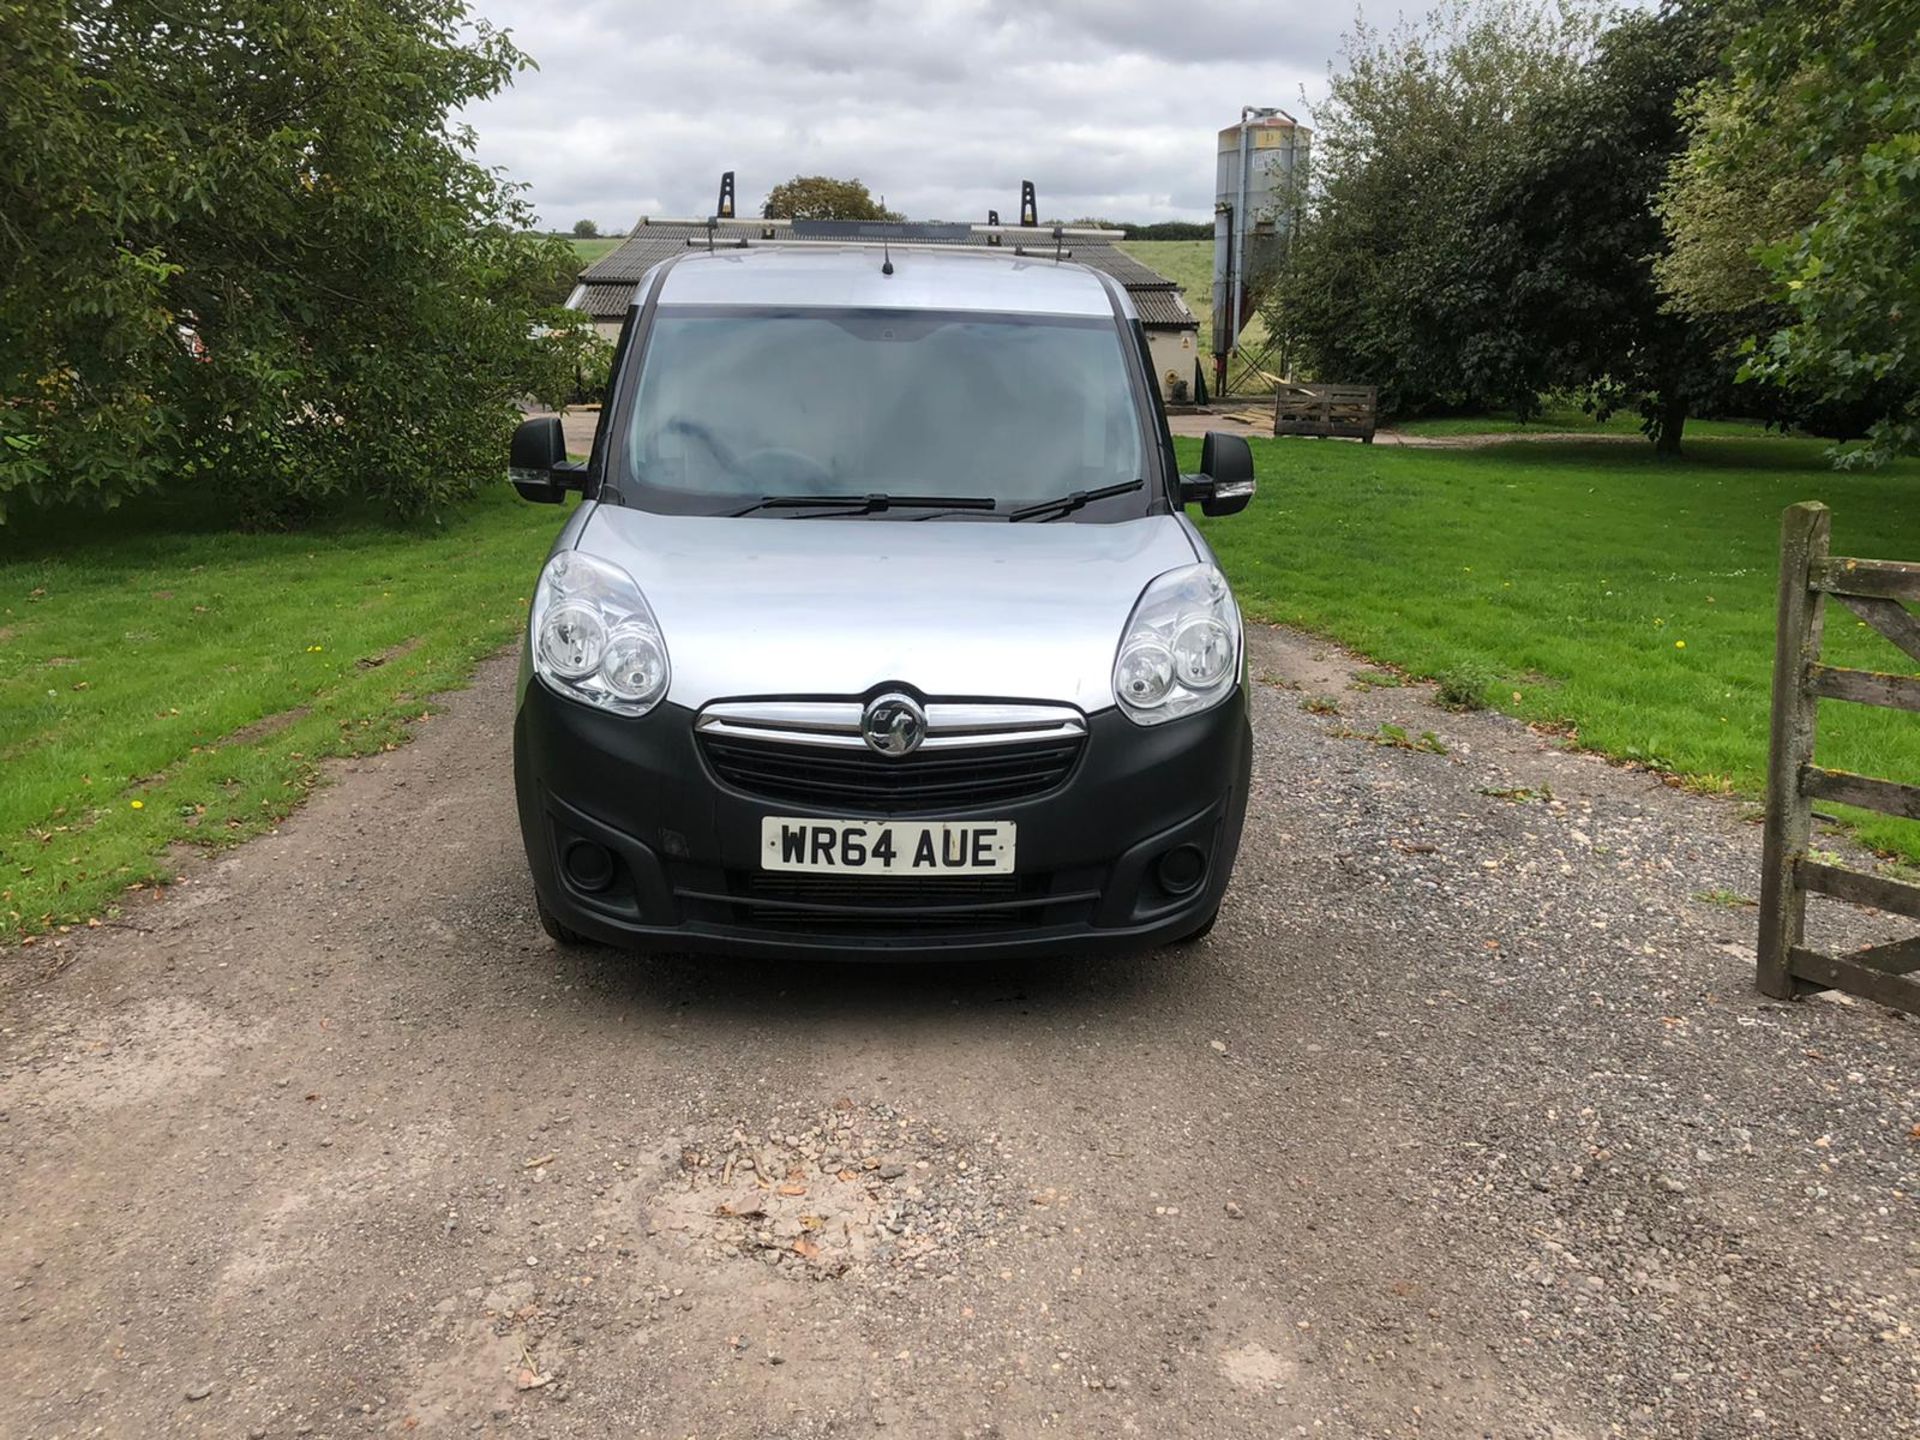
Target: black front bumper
[[687, 846]]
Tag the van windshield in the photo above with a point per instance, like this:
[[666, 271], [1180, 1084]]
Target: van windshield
[[736, 406]]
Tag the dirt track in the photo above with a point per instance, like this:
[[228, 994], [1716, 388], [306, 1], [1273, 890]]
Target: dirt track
[[1466, 1121]]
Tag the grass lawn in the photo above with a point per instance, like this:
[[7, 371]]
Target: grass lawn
[[1590, 586], [163, 680], [1569, 420]]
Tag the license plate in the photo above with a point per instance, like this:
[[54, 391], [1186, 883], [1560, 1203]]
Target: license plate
[[888, 847]]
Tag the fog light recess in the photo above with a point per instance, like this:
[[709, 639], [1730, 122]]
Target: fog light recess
[[589, 865], [1182, 869]]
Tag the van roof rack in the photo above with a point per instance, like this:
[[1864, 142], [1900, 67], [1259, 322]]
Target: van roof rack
[[712, 243], [884, 232]]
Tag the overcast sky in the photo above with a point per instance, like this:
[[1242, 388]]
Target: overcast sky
[[944, 106]]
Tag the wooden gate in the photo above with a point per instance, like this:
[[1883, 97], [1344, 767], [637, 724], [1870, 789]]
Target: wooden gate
[[1330, 410], [1873, 590]]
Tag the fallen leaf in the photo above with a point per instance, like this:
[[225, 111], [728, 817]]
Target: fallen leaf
[[793, 1189], [527, 1380], [538, 1161], [805, 1248]]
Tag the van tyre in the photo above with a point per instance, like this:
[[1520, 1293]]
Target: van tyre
[[1199, 932], [561, 934]]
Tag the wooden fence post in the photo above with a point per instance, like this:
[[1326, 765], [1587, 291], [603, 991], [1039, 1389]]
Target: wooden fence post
[[1805, 531]]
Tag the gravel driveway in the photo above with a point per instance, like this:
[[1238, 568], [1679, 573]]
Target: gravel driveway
[[1467, 1120]]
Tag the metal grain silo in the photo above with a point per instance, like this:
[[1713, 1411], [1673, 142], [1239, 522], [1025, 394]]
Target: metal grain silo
[[1253, 203]]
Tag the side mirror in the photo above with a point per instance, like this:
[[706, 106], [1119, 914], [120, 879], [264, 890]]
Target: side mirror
[[1225, 482], [538, 464]]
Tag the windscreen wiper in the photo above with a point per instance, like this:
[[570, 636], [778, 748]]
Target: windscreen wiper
[[869, 504], [1066, 504]]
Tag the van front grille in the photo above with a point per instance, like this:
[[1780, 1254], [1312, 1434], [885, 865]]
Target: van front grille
[[860, 781], [812, 753]]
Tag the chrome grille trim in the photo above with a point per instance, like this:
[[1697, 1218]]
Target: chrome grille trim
[[836, 723]]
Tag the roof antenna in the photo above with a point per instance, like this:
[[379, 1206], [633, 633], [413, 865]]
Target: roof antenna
[[886, 251]]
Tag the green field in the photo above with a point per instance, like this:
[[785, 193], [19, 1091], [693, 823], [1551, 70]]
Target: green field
[[1189, 264], [1594, 587], [591, 250], [165, 680]]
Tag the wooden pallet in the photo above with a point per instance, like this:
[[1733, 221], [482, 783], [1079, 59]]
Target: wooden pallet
[[1331, 411]]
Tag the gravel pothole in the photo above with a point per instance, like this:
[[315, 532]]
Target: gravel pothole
[[859, 1186]]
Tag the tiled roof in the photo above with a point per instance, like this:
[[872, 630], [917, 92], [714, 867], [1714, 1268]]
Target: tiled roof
[[608, 283], [1117, 263], [604, 301], [1161, 305]]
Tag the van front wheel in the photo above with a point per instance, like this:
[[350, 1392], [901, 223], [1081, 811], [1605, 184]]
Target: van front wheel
[[561, 934], [1199, 932]]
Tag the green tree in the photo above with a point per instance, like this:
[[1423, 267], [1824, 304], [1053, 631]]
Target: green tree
[[1487, 227], [243, 244], [1388, 278], [819, 197], [1171, 230], [1796, 208], [585, 230], [1572, 233], [1740, 185]]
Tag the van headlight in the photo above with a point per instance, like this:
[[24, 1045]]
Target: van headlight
[[594, 637], [1181, 649]]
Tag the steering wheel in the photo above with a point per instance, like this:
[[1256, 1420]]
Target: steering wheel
[[777, 463], [716, 447]]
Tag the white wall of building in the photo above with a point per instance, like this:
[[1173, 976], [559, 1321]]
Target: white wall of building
[[1173, 353]]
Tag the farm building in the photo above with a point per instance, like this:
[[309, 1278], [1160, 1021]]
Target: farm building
[[606, 287]]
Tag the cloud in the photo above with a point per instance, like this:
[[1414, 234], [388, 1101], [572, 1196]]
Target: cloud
[[1109, 106]]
